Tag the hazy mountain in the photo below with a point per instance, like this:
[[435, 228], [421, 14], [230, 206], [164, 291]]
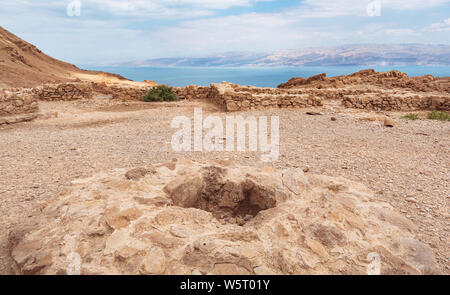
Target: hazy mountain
[[354, 55]]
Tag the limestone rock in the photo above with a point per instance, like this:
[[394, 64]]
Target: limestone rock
[[138, 173], [314, 113], [212, 218], [388, 122]]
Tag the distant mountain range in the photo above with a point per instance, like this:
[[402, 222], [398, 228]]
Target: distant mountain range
[[346, 55]]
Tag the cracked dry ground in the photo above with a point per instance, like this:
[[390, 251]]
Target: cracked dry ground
[[406, 166]]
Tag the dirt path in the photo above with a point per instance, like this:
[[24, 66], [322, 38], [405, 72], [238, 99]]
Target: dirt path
[[407, 166]]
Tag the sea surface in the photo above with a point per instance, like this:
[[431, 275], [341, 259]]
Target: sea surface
[[256, 76]]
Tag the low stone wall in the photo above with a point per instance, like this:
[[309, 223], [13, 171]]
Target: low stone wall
[[87, 90], [193, 92], [64, 92], [229, 97], [397, 103], [233, 98], [17, 105], [122, 92], [129, 93]]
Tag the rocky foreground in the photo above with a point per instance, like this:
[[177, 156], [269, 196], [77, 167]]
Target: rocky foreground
[[185, 217], [406, 166]]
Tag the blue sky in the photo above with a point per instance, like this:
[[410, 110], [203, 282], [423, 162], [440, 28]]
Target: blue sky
[[110, 31]]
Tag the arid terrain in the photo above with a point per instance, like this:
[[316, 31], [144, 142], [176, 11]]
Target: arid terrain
[[91, 184], [406, 166]]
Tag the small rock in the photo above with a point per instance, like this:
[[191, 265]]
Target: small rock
[[138, 173], [248, 217], [154, 263], [240, 221], [411, 200], [388, 122], [179, 232], [262, 270], [231, 220], [333, 119], [312, 113]]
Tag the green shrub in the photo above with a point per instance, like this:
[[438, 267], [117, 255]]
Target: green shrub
[[411, 117], [441, 116], [160, 93]]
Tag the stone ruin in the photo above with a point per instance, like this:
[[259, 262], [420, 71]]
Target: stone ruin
[[232, 97], [397, 102], [385, 91], [64, 92], [17, 105], [227, 199], [386, 80], [389, 91], [188, 218]]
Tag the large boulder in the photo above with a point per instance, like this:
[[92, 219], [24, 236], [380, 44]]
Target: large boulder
[[218, 218]]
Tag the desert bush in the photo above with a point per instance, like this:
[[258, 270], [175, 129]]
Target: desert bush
[[411, 117], [441, 116], [160, 93]]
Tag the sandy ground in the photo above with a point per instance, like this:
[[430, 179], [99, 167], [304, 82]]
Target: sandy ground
[[407, 166]]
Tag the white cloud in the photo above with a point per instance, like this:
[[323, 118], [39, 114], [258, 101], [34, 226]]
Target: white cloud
[[413, 4], [335, 8], [144, 8], [440, 27], [251, 31], [97, 38], [399, 32], [331, 8]]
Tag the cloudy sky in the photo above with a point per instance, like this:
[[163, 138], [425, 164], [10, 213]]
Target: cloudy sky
[[109, 31]]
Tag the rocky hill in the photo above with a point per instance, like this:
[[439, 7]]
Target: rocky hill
[[387, 80], [24, 65]]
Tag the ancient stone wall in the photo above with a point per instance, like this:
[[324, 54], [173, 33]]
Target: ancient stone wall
[[193, 92], [65, 91], [87, 90], [122, 92], [17, 105], [233, 97], [385, 102]]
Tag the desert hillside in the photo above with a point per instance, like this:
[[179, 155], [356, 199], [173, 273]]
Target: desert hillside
[[24, 65]]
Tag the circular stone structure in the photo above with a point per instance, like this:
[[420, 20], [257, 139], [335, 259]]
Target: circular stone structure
[[186, 217]]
